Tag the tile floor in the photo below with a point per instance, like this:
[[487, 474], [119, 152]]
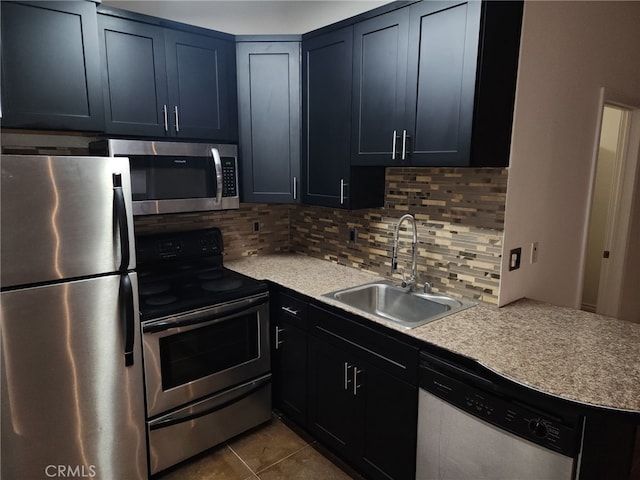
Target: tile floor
[[268, 452]]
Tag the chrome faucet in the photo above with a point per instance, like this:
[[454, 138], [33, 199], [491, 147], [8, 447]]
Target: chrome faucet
[[411, 281]]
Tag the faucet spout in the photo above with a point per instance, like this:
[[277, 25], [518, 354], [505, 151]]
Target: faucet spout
[[394, 256]]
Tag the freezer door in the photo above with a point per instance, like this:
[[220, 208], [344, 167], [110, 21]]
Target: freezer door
[[64, 217], [71, 407]]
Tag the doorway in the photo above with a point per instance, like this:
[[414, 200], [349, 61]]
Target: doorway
[[612, 205]]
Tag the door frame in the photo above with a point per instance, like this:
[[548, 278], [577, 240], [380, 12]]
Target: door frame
[[619, 218]]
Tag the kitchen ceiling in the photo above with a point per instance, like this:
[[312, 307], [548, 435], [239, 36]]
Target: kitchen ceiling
[[241, 17]]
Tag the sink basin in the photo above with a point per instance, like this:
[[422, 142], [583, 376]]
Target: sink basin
[[393, 303]]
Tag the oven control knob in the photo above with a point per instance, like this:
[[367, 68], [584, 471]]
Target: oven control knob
[[538, 428]]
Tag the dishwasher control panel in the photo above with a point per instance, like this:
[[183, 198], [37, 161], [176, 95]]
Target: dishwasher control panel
[[491, 405]]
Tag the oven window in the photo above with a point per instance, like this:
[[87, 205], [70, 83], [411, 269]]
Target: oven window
[[200, 352]]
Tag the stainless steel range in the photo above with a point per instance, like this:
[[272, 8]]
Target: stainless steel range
[[205, 334]]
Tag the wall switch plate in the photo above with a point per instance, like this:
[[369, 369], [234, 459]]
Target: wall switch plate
[[514, 258], [534, 252]]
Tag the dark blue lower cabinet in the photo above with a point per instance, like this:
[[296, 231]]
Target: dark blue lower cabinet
[[358, 406]]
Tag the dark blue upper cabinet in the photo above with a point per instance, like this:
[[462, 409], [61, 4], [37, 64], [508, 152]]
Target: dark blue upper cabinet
[[269, 118], [50, 66], [434, 84], [379, 86], [166, 82], [326, 98], [443, 53], [328, 178], [134, 77], [201, 75]]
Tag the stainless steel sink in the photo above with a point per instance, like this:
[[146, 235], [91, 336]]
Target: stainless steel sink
[[391, 302]]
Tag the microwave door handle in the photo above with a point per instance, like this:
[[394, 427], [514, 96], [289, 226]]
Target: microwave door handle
[[128, 317], [120, 208], [217, 163]]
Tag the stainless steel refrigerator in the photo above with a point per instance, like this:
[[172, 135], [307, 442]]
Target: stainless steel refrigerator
[[71, 359]]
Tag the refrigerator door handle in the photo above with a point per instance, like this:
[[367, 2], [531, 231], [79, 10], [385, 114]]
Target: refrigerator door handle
[[128, 317], [123, 224]]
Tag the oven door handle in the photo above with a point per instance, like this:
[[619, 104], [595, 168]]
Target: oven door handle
[[238, 394], [238, 307]]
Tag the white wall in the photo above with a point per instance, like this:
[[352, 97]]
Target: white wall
[[241, 17], [569, 50]]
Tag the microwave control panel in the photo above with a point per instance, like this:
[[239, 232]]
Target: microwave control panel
[[229, 177]]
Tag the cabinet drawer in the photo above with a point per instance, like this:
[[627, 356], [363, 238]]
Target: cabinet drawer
[[293, 308], [382, 351]]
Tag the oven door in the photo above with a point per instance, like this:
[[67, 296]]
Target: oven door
[[192, 355]]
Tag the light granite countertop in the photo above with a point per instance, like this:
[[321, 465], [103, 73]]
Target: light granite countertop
[[569, 353]]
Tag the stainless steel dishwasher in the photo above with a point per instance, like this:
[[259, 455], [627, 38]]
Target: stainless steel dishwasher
[[469, 427]]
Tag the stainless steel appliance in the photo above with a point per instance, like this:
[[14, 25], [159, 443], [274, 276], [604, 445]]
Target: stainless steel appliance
[[71, 371], [171, 177], [205, 332], [471, 428]]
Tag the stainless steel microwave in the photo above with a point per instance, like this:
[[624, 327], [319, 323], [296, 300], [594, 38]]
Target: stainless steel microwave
[[172, 177]]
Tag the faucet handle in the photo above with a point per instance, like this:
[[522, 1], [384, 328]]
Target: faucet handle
[[408, 282]]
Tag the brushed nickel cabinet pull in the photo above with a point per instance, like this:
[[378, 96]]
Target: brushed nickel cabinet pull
[[346, 375], [166, 118], [342, 195], [356, 386], [404, 144], [278, 341], [290, 310], [393, 145]]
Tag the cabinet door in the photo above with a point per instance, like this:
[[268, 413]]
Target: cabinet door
[[388, 410], [202, 86], [379, 88], [290, 371], [332, 414], [290, 356], [326, 72], [51, 66], [269, 120], [443, 52], [134, 77]]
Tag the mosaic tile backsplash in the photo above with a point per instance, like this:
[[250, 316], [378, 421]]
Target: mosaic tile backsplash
[[459, 214]]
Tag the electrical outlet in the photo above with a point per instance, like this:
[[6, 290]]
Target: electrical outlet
[[534, 252], [514, 258], [353, 235], [256, 226]]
